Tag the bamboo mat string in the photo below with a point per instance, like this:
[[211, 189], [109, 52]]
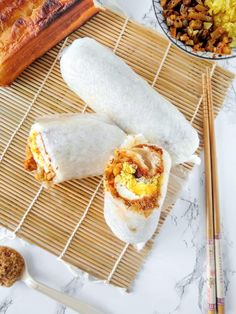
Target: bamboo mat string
[[121, 34], [161, 65], [117, 263], [197, 108], [27, 211], [80, 221], [85, 108], [201, 97], [33, 101]]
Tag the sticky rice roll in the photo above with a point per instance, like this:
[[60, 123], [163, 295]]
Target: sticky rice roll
[[135, 183], [70, 146], [109, 86]]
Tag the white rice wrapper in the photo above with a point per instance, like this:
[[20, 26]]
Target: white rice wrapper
[[77, 145], [108, 85]]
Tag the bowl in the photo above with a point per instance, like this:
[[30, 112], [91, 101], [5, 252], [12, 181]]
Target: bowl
[[188, 49]]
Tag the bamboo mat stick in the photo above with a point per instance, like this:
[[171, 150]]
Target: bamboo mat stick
[[216, 205], [211, 280]]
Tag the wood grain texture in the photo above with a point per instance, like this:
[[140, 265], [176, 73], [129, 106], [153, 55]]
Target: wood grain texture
[[54, 214]]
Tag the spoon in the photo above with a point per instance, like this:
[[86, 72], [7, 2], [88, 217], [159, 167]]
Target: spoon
[[14, 267], [58, 296]]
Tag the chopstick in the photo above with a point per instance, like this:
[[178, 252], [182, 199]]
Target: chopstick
[[214, 260], [216, 205], [211, 280]]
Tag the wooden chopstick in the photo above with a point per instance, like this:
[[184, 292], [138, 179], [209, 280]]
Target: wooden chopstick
[[211, 280], [216, 206]]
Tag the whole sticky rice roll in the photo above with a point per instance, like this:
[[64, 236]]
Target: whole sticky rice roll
[[70, 146], [108, 85], [135, 182]]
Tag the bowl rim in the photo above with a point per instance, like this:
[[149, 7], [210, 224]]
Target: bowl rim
[[191, 53]]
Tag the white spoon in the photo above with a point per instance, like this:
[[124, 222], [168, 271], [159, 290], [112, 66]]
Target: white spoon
[[60, 297]]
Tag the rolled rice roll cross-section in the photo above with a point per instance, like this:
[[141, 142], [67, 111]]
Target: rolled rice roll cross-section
[[70, 146], [135, 182]]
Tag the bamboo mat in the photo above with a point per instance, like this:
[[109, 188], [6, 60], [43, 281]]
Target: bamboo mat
[[49, 218]]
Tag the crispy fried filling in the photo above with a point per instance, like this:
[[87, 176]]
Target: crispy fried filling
[[135, 175], [37, 161]]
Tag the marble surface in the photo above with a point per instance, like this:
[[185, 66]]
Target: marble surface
[[173, 279]]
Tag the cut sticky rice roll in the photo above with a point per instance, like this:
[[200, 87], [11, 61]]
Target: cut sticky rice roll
[[135, 182], [71, 146]]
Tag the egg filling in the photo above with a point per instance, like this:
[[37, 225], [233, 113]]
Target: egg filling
[[37, 159], [135, 175], [128, 182]]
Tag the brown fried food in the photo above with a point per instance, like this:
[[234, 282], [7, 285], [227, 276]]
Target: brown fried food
[[173, 3], [184, 37], [187, 2], [29, 163], [190, 22], [173, 31], [12, 266], [217, 33], [163, 3], [199, 16], [178, 22], [195, 24], [201, 8]]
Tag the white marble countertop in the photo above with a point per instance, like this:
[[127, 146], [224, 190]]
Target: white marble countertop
[[173, 279]]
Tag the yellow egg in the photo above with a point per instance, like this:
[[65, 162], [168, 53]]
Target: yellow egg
[[137, 186], [35, 150], [224, 12]]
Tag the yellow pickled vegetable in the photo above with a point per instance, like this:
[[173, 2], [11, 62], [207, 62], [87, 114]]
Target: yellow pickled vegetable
[[224, 12]]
